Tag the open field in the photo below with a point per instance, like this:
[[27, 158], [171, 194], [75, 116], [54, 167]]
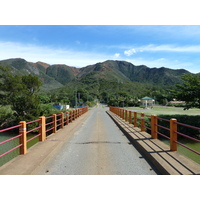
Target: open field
[[158, 110]]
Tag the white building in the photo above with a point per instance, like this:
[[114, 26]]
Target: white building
[[147, 102]]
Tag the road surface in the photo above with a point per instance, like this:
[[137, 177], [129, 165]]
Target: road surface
[[98, 147]]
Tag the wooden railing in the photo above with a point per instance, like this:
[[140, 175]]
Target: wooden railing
[[41, 128], [153, 126]]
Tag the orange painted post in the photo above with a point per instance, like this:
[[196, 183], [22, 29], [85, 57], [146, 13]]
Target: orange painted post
[[42, 130], [115, 111], [118, 111], [126, 115], [73, 114], [122, 113], [154, 127], [54, 123], [173, 135], [70, 115], [142, 122], [130, 117], [135, 119], [67, 118], [62, 120], [23, 138]]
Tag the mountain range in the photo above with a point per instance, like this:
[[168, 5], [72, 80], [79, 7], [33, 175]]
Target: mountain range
[[58, 75]]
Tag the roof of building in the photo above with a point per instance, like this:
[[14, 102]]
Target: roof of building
[[146, 98]]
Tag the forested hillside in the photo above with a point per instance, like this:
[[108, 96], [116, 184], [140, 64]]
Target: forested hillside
[[109, 81]]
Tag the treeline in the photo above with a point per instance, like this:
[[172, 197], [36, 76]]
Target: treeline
[[22, 97]]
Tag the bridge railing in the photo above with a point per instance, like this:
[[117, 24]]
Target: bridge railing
[[152, 125], [12, 138], [44, 126]]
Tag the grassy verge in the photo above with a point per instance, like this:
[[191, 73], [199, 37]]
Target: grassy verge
[[158, 110]]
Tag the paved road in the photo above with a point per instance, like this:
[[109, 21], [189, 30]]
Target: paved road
[[98, 147]]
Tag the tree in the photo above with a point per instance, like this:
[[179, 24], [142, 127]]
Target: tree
[[189, 90], [21, 92]]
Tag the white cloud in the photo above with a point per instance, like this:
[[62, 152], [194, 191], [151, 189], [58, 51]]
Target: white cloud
[[171, 48], [117, 55], [50, 55], [156, 48], [129, 52]]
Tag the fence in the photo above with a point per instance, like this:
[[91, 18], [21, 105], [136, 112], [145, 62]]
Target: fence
[[153, 126], [43, 126]]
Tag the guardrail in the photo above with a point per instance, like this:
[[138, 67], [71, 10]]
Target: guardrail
[[43, 126], [152, 125]]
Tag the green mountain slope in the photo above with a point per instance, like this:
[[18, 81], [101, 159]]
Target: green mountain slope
[[55, 76], [61, 73], [125, 71], [22, 67]]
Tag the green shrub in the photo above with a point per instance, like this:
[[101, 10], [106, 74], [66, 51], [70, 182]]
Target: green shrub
[[185, 119], [48, 110], [7, 117]]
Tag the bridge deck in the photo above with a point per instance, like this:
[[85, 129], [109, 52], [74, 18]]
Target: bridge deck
[[158, 153], [91, 145]]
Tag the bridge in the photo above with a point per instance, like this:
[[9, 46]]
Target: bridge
[[100, 141]]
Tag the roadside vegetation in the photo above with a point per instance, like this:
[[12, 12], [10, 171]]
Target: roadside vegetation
[[22, 97]]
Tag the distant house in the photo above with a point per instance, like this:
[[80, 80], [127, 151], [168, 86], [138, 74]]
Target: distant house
[[147, 102], [60, 107], [176, 103]]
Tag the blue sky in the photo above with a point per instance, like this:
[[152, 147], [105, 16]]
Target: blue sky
[[172, 46]]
